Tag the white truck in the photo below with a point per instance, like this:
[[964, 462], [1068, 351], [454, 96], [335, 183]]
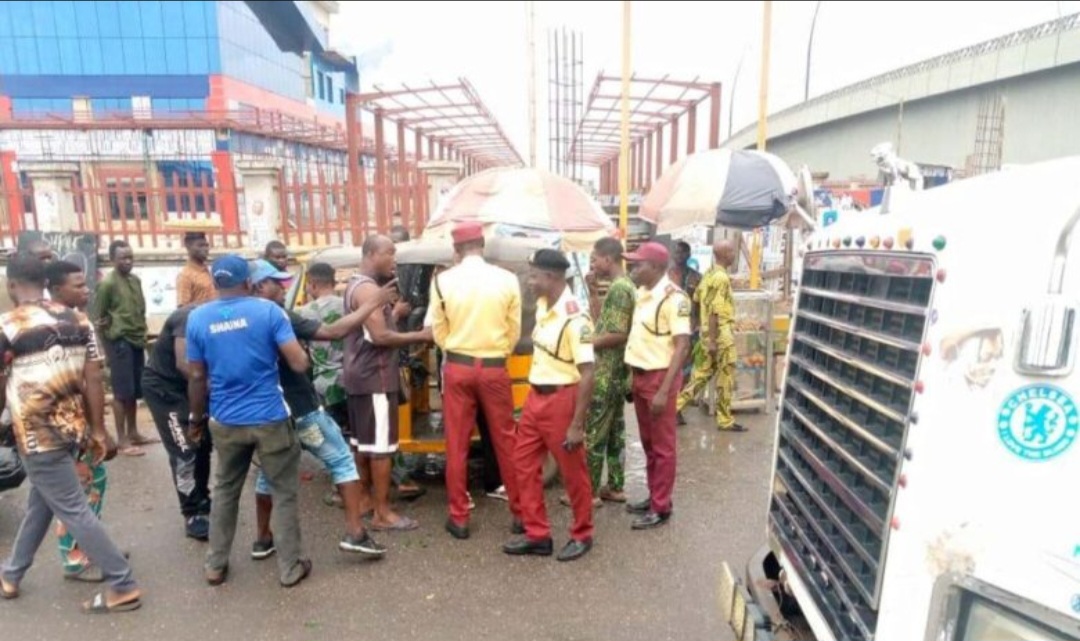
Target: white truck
[[926, 469]]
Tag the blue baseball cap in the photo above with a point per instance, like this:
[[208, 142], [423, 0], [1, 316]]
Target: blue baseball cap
[[262, 269], [229, 271]]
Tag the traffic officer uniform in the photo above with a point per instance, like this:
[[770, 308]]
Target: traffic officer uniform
[[476, 321], [661, 314], [715, 298], [562, 341]]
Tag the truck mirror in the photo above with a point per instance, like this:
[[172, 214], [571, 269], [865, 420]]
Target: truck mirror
[[1047, 345]]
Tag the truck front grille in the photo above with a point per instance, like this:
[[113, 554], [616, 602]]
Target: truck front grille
[[853, 363]]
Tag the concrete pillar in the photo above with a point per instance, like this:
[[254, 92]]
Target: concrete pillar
[[442, 175], [53, 200], [262, 204]]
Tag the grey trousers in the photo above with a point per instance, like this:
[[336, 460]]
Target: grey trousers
[[279, 454], [55, 491]]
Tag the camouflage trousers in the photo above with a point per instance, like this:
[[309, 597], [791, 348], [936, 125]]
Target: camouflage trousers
[[94, 480], [706, 367], [605, 435]]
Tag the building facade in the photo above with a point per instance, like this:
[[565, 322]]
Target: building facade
[[123, 118]]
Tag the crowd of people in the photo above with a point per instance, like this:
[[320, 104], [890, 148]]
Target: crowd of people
[[236, 376]]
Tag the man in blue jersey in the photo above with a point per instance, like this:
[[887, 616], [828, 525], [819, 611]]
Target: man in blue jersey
[[233, 345]]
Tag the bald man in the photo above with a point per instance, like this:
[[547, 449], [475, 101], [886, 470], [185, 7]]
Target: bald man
[[715, 355]]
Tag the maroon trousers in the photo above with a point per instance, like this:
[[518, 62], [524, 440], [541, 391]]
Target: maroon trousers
[[465, 387], [657, 435], [544, 423]]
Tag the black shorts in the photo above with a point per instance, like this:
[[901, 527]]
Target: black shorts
[[373, 423], [125, 369]]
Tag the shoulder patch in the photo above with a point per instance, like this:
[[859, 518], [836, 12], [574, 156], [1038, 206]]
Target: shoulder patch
[[683, 309], [572, 307], [585, 334]]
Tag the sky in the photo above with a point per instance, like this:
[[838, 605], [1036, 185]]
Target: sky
[[486, 42]]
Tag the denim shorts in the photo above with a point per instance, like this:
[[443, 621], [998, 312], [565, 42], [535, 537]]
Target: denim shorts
[[320, 435]]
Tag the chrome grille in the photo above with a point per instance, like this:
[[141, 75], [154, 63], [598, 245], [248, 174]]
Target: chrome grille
[[852, 367]]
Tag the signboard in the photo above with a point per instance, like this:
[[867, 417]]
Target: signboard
[[106, 144]]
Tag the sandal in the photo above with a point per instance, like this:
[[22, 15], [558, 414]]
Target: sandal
[[411, 493], [144, 440], [89, 574], [8, 591], [403, 524], [132, 450], [100, 605]]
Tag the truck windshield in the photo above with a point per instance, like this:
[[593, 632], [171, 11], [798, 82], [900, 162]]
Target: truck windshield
[[986, 621]]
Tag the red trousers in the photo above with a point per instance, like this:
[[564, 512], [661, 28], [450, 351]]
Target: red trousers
[[466, 387], [544, 423], [657, 435]]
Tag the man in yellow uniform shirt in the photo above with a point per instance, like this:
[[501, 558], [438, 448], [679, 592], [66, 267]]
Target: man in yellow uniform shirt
[[656, 349], [717, 347], [553, 419], [476, 321]]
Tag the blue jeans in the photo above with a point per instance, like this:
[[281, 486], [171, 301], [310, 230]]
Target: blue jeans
[[320, 435]]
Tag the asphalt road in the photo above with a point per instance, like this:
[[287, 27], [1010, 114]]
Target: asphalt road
[[655, 585]]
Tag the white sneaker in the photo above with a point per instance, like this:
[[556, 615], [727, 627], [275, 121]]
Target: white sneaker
[[499, 494], [472, 503]]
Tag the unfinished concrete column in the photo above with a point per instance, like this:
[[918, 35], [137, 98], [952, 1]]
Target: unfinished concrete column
[[53, 200], [441, 175]]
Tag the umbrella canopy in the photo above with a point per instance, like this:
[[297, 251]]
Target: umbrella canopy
[[733, 188], [530, 203]]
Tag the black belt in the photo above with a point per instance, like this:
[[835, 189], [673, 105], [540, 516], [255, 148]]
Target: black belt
[[547, 390], [462, 359], [641, 372]]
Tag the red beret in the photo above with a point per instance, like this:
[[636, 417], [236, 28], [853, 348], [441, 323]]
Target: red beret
[[648, 252], [466, 232]]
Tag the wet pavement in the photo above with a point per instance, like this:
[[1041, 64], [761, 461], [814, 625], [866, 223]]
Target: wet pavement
[[655, 585]]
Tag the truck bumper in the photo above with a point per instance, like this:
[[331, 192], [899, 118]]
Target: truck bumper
[[747, 606]]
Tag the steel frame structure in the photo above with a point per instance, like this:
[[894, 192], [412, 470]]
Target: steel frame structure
[[654, 105], [451, 117]]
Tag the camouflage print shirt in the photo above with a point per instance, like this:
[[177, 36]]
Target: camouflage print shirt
[[616, 315], [327, 357], [714, 296]]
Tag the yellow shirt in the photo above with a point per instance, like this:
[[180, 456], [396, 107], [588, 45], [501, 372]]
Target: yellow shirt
[[562, 340], [479, 311], [715, 298], [661, 314]]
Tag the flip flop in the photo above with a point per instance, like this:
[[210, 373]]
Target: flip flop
[[132, 451], [403, 524], [412, 493], [145, 440], [8, 591], [99, 605]]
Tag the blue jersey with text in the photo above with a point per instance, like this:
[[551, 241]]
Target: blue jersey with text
[[238, 340]]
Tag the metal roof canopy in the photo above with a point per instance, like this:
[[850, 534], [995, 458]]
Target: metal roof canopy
[[654, 103], [451, 115]]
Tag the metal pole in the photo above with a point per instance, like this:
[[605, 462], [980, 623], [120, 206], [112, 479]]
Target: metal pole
[[731, 99], [809, 50], [762, 132], [530, 19], [624, 138]]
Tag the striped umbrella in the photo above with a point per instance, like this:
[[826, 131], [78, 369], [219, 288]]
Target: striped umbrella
[[524, 202], [731, 188]]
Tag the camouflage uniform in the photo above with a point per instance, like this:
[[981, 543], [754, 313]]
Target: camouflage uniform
[[605, 429], [714, 296]]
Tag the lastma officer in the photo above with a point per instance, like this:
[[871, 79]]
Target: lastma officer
[[553, 419]]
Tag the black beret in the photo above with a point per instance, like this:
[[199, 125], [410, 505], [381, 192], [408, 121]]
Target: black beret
[[549, 260]]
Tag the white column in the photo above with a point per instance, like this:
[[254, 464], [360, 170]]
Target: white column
[[262, 217], [54, 202], [442, 175]]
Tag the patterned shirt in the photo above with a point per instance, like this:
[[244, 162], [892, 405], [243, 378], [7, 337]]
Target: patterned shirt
[[327, 357], [616, 316], [194, 285], [45, 345], [714, 296]]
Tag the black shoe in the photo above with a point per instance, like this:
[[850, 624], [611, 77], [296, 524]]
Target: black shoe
[[517, 527], [525, 546], [460, 532], [263, 550], [574, 550], [198, 527], [640, 507], [362, 544], [650, 520]]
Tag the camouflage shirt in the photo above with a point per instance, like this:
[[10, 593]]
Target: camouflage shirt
[[616, 315], [327, 357]]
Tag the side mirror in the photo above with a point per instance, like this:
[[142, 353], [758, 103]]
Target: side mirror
[[1047, 345]]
